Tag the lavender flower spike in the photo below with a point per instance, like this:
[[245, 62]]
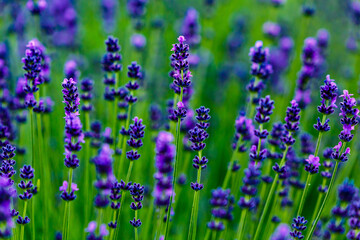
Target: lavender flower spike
[[349, 116], [165, 154]]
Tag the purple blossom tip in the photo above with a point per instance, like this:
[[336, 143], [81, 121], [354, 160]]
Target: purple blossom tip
[[64, 187], [181, 39]]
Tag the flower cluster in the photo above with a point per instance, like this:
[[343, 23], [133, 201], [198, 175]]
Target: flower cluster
[[68, 192], [137, 194], [7, 193], [249, 189], [73, 133], [134, 73], [354, 222], [197, 136], [93, 234], [312, 164], [221, 202], [347, 192], [349, 116], [309, 57], [105, 178], [244, 133], [274, 140], [298, 226], [291, 123], [264, 110], [7, 163], [179, 63], [191, 28], [165, 153], [136, 10], [115, 195], [328, 94], [26, 174], [136, 132], [36, 7], [111, 66], [32, 65], [260, 69], [87, 86], [339, 154], [109, 12]]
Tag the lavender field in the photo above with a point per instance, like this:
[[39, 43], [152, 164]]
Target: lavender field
[[179, 120]]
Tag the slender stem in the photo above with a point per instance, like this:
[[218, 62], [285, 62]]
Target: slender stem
[[308, 179], [302, 201], [196, 210], [324, 201], [123, 141], [64, 221], [158, 224], [150, 214], [99, 218], [22, 225], [33, 219], [213, 235], [119, 212], [136, 232], [228, 171], [177, 143], [129, 171], [270, 196], [208, 233], [241, 224], [69, 205], [43, 171], [112, 229], [87, 169], [114, 129], [317, 206], [32, 138]]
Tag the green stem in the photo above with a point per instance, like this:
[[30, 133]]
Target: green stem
[[99, 219], [208, 233], [87, 169], [228, 171], [123, 141], [241, 224], [308, 179], [177, 143], [196, 209], [270, 196], [324, 202], [43, 171], [150, 214], [32, 138], [64, 221], [136, 232], [129, 171], [302, 201], [317, 206], [114, 129], [22, 225], [119, 213]]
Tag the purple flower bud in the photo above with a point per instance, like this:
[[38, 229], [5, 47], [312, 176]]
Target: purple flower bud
[[298, 226], [271, 29], [138, 41], [313, 164], [36, 7]]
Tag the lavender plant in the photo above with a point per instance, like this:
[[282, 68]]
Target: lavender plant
[[275, 172]]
